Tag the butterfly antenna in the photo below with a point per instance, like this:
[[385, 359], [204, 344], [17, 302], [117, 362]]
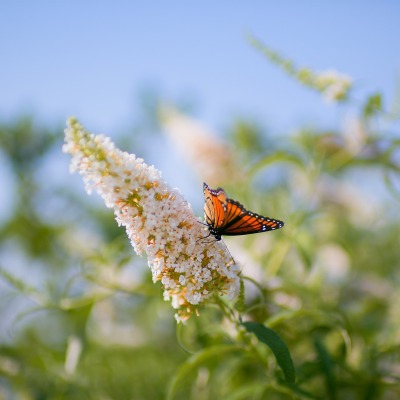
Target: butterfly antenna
[[228, 251], [216, 240], [213, 241]]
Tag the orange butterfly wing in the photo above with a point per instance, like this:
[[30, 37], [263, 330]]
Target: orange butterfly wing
[[239, 221], [228, 217], [214, 206]]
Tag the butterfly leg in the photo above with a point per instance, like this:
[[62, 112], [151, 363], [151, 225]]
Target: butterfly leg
[[204, 237]]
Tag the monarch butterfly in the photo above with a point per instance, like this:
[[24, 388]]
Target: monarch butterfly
[[228, 217]]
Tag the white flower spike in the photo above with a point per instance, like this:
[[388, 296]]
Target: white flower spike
[[158, 221]]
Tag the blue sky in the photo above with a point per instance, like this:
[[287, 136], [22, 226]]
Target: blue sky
[[91, 58]]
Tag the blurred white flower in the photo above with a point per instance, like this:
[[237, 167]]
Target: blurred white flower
[[355, 135], [210, 156], [332, 85], [331, 264], [73, 354], [158, 221]]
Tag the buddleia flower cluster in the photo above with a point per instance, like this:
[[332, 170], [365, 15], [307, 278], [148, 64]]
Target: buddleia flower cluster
[[158, 220]]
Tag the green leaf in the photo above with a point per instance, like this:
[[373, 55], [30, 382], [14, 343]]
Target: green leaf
[[23, 287], [194, 362], [304, 245], [239, 305], [273, 158], [277, 345], [327, 368], [373, 105]]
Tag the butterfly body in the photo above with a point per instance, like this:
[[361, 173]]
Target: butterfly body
[[227, 217]]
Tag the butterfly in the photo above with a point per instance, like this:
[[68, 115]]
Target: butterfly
[[228, 217]]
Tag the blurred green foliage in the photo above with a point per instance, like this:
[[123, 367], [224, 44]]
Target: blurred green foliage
[[81, 318]]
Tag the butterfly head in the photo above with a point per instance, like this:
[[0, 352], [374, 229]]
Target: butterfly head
[[214, 232]]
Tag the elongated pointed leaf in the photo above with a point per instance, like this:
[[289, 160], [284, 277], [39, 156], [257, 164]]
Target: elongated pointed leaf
[[327, 368], [239, 305], [277, 157], [195, 361], [277, 345]]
